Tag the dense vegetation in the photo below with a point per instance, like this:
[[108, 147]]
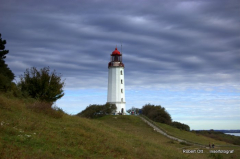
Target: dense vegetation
[[180, 126], [42, 84], [156, 113], [6, 75], [95, 110]]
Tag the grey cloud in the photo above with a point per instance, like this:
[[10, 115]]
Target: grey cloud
[[174, 42]]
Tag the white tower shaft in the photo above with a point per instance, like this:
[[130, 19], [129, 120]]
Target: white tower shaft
[[116, 89]]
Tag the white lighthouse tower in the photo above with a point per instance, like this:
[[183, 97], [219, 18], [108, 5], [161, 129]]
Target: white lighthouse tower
[[116, 89]]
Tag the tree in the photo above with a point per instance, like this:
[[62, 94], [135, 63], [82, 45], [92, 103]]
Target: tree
[[6, 75], [43, 85]]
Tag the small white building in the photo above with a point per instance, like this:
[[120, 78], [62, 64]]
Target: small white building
[[116, 89]]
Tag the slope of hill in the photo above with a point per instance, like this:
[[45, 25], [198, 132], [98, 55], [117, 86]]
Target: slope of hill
[[188, 136], [25, 133]]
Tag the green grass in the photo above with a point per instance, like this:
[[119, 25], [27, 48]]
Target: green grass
[[27, 133], [190, 136], [220, 136]]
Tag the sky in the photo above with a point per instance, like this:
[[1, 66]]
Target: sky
[[181, 54]]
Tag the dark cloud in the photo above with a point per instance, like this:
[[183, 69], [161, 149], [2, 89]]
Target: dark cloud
[[174, 42]]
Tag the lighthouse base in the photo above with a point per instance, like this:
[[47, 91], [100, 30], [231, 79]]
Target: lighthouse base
[[121, 108]]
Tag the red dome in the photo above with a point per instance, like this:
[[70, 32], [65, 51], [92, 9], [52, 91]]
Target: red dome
[[116, 52]]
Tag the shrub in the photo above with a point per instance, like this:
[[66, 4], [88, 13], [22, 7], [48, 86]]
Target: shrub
[[94, 111], [42, 85], [156, 113], [180, 126]]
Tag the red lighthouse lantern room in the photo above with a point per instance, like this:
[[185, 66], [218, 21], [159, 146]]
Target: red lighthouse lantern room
[[116, 59]]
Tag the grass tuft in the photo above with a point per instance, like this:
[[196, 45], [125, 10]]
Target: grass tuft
[[46, 108]]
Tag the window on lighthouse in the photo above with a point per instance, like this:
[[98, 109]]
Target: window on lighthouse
[[121, 72], [122, 99], [121, 81], [121, 90]]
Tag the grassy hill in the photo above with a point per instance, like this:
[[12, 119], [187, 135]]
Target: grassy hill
[[189, 136], [26, 132]]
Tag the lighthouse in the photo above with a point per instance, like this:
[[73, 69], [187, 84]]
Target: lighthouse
[[116, 89]]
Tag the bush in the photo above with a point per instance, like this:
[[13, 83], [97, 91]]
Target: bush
[[156, 113], [94, 111], [42, 85], [5, 82], [180, 126]]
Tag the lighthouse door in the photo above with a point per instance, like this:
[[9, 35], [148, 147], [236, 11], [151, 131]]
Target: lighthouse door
[[122, 110]]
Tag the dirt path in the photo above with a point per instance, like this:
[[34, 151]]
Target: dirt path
[[169, 136]]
